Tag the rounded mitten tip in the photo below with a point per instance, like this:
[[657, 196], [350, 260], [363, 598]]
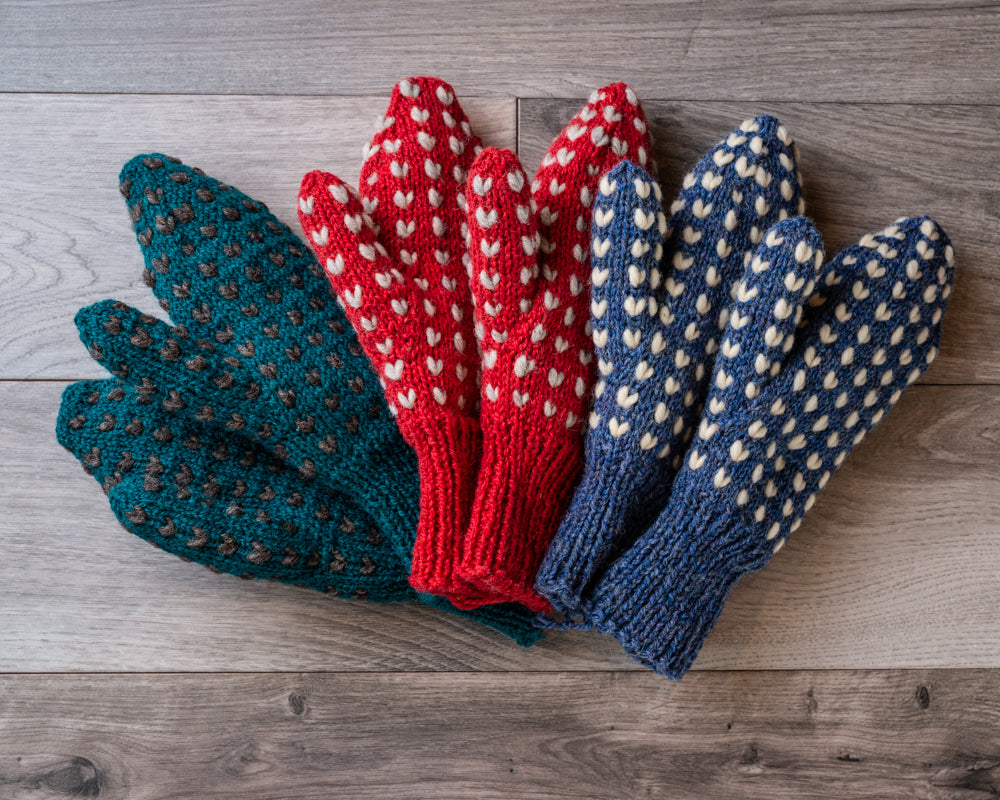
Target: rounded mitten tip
[[617, 96], [147, 169], [768, 126], [429, 89], [626, 171], [497, 161]]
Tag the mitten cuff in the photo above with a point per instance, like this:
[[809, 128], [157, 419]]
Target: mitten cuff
[[448, 451], [511, 620], [604, 518], [661, 598], [522, 494], [387, 488]]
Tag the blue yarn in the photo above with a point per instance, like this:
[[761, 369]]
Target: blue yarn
[[789, 400], [656, 310]]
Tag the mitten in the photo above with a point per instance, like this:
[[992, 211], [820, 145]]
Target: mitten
[[657, 305], [220, 499], [788, 402], [529, 251], [259, 345], [394, 254]]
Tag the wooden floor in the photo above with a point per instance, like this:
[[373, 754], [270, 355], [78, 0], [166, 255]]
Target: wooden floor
[[863, 662]]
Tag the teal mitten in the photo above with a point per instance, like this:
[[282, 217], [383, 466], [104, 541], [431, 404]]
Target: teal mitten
[[259, 348], [222, 500], [258, 343]]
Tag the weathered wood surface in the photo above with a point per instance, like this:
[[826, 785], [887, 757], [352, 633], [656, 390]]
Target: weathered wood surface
[[65, 237], [923, 50], [895, 108], [862, 166], [64, 233], [894, 567], [925, 734]]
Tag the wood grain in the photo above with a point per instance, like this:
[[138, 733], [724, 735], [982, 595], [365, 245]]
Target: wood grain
[[894, 567], [65, 237], [904, 734], [920, 51], [862, 166], [212, 687]]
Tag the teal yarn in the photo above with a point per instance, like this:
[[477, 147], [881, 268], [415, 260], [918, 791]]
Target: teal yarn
[[220, 499], [258, 343], [258, 349]]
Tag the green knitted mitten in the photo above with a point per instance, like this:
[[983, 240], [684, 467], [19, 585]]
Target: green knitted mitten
[[259, 348]]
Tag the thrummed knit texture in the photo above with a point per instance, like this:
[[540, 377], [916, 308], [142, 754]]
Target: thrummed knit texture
[[660, 291], [394, 254], [219, 499], [529, 252], [812, 358], [258, 346]]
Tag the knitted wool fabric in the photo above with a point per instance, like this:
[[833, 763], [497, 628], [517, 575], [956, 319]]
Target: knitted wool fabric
[[657, 309], [787, 405], [259, 345], [222, 500], [219, 499], [394, 255], [529, 267]]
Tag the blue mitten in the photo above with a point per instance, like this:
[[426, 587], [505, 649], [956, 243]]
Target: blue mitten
[[788, 402], [657, 307]]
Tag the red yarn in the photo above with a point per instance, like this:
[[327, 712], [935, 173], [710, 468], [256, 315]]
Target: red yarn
[[530, 256], [394, 256]]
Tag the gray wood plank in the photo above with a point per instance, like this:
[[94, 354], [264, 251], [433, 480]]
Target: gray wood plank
[[65, 237], [923, 50], [923, 734], [894, 567], [862, 166], [64, 234]]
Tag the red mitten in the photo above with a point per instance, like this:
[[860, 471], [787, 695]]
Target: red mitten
[[530, 256], [394, 255]]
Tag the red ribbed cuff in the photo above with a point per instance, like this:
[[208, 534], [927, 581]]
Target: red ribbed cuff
[[448, 451], [523, 491]]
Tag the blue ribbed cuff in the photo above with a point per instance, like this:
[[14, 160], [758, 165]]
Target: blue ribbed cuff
[[601, 522], [662, 597]]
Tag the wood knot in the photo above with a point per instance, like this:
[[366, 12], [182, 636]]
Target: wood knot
[[750, 755], [297, 702], [79, 778]]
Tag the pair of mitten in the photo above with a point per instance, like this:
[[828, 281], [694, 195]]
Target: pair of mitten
[[250, 434], [737, 372], [467, 286]]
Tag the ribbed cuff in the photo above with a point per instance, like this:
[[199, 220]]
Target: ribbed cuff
[[661, 598], [388, 488], [610, 510], [521, 496], [448, 452]]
